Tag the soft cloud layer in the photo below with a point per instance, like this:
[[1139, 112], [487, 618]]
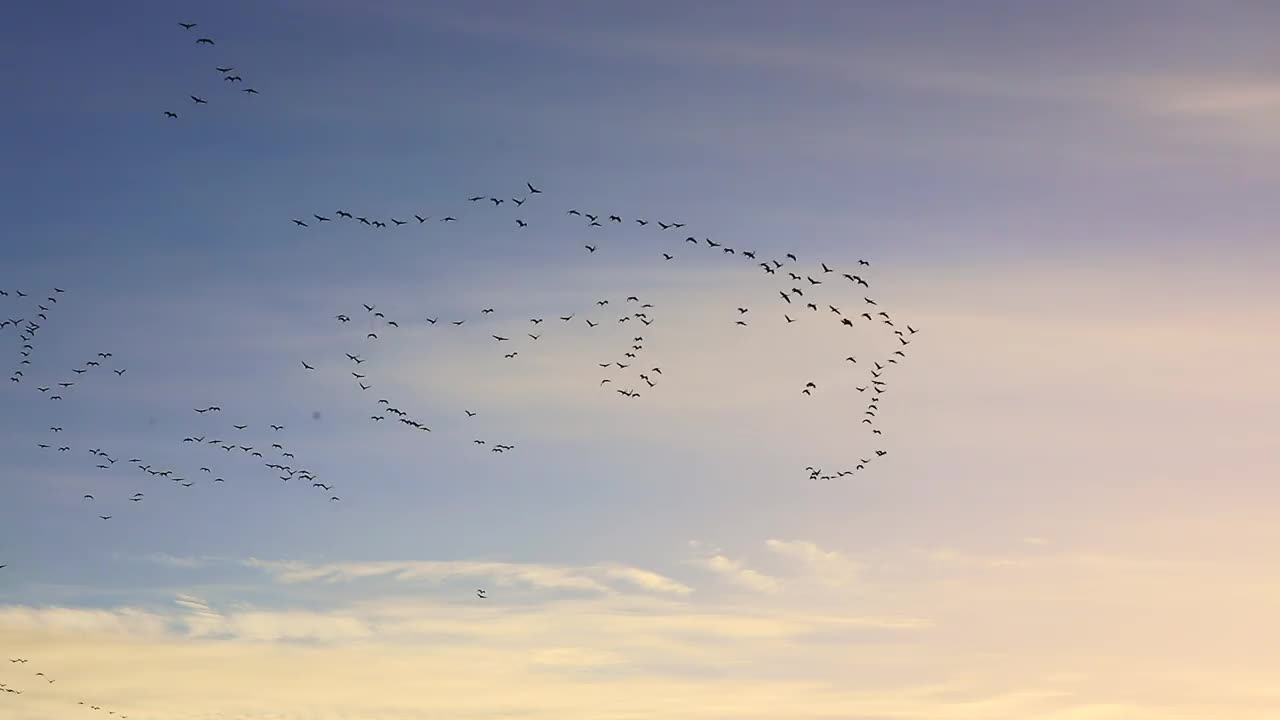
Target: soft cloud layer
[[497, 573], [862, 652]]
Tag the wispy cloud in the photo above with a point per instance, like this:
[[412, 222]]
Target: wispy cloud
[[737, 572], [187, 563], [825, 566], [593, 578]]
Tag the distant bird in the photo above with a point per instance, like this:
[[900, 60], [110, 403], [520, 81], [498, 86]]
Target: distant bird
[[169, 114], [480, 594], [224, 69], [199, 101], [533, 190], [187, 26], [300, 223], [204, 41], [305, 365]]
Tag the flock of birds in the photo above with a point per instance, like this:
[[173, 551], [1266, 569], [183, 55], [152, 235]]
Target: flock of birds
[[798, 290], [22, 662], [228, 73], [244, 444], [259, 448]]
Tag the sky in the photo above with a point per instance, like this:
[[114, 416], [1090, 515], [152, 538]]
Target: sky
[[1073, 204]]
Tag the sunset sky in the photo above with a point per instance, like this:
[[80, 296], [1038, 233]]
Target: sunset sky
[[1074, 203]]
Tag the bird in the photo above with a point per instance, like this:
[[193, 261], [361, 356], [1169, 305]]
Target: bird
[[199, 101], [204, 41], [533, 190], [170, 114], [305, 365], [187, 26]]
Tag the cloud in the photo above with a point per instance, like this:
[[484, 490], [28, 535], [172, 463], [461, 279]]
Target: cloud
[[903, 647], [592, 578], [737, 573], [827, 567], [187, 563]]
